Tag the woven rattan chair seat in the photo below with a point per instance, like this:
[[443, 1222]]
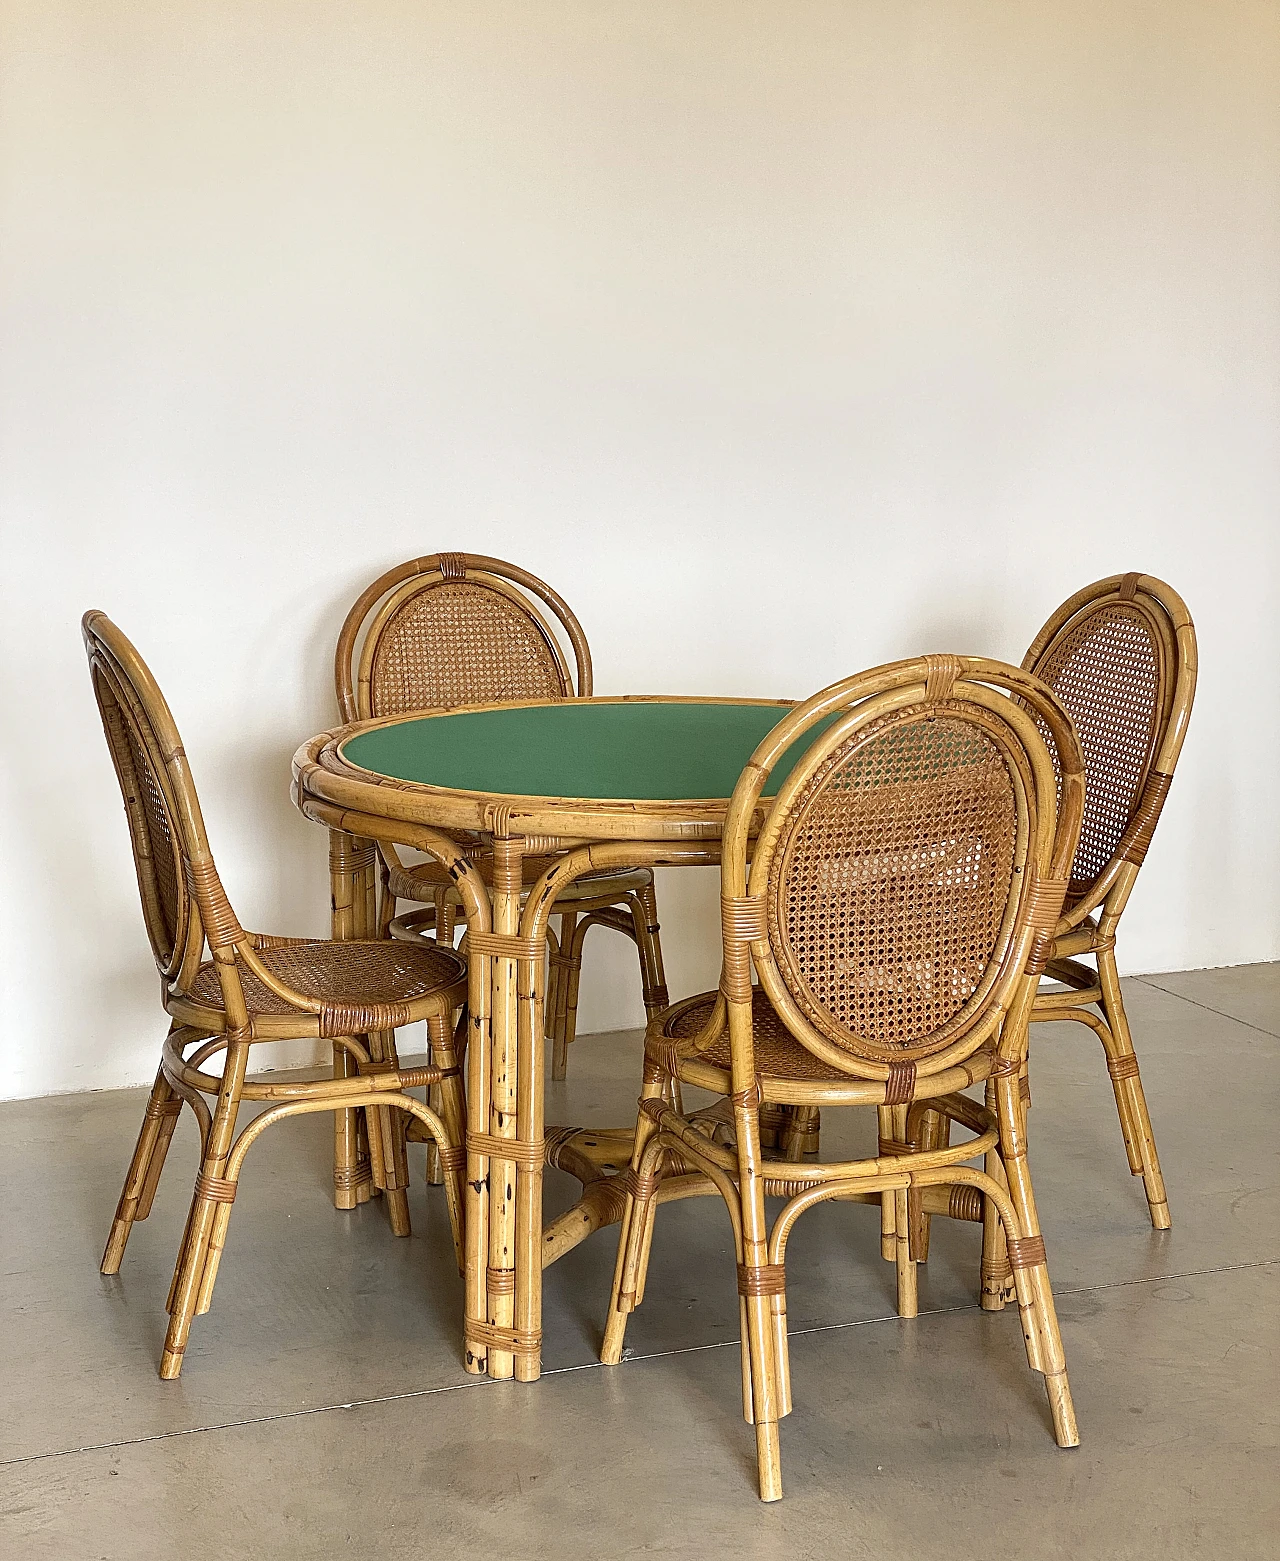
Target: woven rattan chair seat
[[777, 1052], [364, 973]]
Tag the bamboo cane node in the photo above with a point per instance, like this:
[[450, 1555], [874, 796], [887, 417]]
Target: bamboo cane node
[[965, 1203], [1026, 1251], [941, 673], [900, 1086], [1024, 1090], [528, 1154], [766, 1279], [1123, 1067], [514, 1341], [216, 1188], [500, 1281], [497, 945]]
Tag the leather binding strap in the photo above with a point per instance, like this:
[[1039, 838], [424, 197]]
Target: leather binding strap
[[1136, 840], [514, 1341], [654, 1109], [742, 921], [1026, 1251], [900, 1086], [496, 945], [1128, 587], [215, 1188], [157, 1109], [529, 1156], [349, 855], [1005, 1067], [1124, 1067], [941, 673], [452, 566], [767, 1279]]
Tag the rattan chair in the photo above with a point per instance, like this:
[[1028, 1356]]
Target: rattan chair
[[1121, 656], [254, 989], [458, 629], [897, 899]]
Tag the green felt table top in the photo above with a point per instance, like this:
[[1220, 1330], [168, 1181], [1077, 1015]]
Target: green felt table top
[[641, 750]]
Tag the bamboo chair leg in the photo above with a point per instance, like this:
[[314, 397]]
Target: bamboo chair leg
[[934, 1133], [908, 1296], [765, 1394], [572, 977], [352, 1174], [623, 1295], [1034, 1273], [453, 1113], [158, 1122], [558, 998], [210, 1208], [1131, 1102], [388, 1150], [892, 1127], [997, 1284], [653, 976]]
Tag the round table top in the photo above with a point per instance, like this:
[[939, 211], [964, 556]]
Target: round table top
[[589, 768]]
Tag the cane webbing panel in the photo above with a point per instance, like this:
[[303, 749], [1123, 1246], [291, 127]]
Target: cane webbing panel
[[461, 643], [642, 750], [1105, 666], [352, 974], [889, 890]]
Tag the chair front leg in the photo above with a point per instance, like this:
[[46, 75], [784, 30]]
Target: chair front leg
[[628, 1280], [757, 1282], [1027, 1258], [210, 1210]]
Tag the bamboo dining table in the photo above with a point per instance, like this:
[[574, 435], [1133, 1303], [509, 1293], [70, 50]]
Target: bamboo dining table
[[603, 784]]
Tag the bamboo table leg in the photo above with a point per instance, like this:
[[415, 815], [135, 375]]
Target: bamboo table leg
[[352, 864]]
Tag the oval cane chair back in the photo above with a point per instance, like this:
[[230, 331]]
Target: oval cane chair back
[[910, 865], [457, 629], [166, 828], [1121, 656]]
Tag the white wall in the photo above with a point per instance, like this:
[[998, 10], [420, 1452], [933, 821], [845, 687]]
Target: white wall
[[782, 338]]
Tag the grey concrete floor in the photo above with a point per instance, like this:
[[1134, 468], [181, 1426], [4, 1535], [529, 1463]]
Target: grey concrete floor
[[323, 1409]]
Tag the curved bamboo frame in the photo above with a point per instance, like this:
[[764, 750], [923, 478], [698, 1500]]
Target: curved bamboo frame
[[1090, 922], [987, 1040], [141, 729], [371, 614]]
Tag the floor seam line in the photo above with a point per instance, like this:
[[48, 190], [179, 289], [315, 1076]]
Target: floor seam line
[[1204, 1007], [591, 1365]]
